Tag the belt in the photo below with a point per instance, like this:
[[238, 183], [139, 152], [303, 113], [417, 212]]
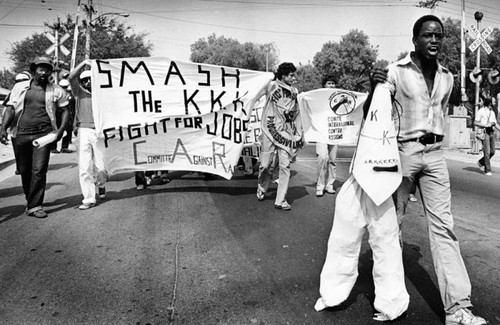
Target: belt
[[428, 138]]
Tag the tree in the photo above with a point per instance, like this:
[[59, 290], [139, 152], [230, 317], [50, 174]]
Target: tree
[[7, 79], [110, 39], [231, 53], [350, 60], [308, 78]]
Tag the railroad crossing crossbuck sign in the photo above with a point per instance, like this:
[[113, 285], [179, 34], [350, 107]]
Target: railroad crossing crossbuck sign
[[480, 39], [52, 48]]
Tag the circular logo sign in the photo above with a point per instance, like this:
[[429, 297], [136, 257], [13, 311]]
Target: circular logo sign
[[342, 103]]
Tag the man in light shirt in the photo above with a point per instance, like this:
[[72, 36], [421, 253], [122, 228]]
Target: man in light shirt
[[421, 88], [486, 121]]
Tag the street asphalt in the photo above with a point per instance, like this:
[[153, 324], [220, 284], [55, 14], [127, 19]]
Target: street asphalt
[[207, 252], [458, 154]]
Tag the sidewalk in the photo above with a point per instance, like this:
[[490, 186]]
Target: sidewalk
[[464, 155]]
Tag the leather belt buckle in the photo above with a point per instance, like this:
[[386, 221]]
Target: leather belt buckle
[[430, 138]]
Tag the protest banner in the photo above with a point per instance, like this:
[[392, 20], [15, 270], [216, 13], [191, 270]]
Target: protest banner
[[331, 115], [376, 163], [251, 146], [163, 114], [281, 122]]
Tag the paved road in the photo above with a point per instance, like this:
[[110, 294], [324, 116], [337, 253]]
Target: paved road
[[207, 252]]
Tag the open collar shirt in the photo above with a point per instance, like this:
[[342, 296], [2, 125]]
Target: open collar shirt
[[417, 112], [55, 97]]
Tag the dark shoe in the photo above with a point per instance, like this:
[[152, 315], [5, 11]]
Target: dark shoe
[[102, 192], [38, 214], [65, 150], [54, 151]]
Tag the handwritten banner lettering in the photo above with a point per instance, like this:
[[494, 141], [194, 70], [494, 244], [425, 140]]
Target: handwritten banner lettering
[[161, 114]]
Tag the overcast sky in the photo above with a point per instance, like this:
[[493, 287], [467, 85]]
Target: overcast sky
[[299, 28]]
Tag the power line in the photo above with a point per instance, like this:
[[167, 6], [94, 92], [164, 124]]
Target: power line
[[19, 25], [8, 13]]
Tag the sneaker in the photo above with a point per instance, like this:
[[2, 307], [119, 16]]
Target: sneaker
[[464, 316], [38, 214], [330, 190], [260, 195], [102, 192], [319, 193], [479, 164], [148, 180], [140, 187], [86, 206], [488, 173], [66, 150], [54, 151], [413, 198], [283, 206]]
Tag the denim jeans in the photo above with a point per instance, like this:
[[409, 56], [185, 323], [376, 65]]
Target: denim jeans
[[32, 163], [66, 140], [488, 150], [427, 163]]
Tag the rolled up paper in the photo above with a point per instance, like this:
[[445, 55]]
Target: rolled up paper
[[45, 140]]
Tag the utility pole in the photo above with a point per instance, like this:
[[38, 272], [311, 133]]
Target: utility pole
[[90, 10], [475, 143], [478, 16], [75, 38], [56, 53], [462, 57]]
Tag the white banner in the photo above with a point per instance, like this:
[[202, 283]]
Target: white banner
[[331, 115], [251, 147], [376, 164], [161, 114]]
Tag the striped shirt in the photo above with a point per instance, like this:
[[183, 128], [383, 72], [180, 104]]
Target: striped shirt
[[416, 111]]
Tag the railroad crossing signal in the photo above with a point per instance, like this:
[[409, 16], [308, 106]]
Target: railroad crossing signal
[[52, 48], [480, 39]]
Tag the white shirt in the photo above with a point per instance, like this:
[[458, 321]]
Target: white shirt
[[485, 116]]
